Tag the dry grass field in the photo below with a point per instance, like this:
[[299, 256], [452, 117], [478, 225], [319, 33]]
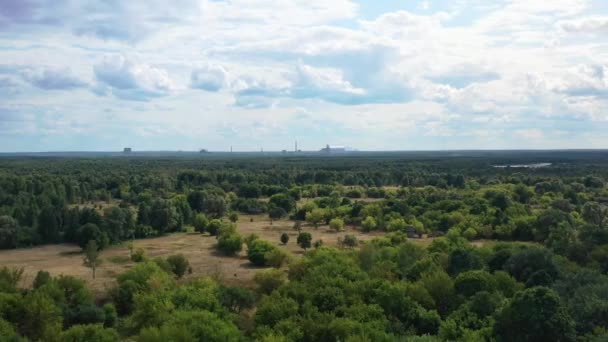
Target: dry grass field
[[199, 249]]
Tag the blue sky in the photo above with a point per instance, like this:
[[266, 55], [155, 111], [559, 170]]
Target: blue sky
[[388, 75]]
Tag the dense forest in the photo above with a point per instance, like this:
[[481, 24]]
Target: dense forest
[[542, 279]]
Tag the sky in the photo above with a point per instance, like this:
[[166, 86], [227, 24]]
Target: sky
[[101, 75]]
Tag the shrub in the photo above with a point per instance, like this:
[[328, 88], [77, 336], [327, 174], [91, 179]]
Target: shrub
[[139, 255], [336, 224], [200, 223], [304, 240], [230, 244], [284, 238], [470, 234], [257, 251], [276, 258], [350, 241], [214, 226], [179, 265], [269, 280]]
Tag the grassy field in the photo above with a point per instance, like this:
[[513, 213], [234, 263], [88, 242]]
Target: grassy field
[[199, 249]]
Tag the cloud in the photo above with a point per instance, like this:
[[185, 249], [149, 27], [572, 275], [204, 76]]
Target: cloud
[[129, 80], [209, 77], [324, 83], [129, 21], [530, 134], [587, 25], [49, 78]]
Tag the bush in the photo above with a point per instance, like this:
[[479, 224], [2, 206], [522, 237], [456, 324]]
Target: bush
[[230, 244], [200, 223], [42, 278], [276, 258], [284, 238], [233, 216], [269, 280], [369, 224], [350, 241], [470, 234], [304, 240], [179, 265], [89, 332], [336, 224], [214, 226], [257, 251], [139, 255]]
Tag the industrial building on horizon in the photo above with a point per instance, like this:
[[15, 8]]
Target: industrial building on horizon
[[336, 149]]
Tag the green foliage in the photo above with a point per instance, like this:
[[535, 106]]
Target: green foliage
[[89, 333], [179, 265], [230, 244], [304, 240], [214, 226], [91, 256], [336, 224], [284, 238], [269, 280], [200, 222], [316, 216], [535, 314], [369, 224], [257, 251]]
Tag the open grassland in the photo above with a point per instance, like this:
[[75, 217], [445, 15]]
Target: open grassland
[[199, 249]]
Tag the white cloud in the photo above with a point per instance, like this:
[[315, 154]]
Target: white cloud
[[130, 80], [209, 77], [530, 134]]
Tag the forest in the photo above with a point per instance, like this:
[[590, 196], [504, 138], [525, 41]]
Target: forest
[[513, 254]]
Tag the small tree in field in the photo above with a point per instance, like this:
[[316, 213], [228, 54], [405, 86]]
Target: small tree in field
[[298, 226], [200, 223], [369, 224], [91, 256], [336, 224], [284, 238], [179, 265], [276, 213], [350, 241], [304, 240], [233, 217], [315, 216]]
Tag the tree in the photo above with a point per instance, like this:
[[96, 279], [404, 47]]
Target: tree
[[350, 241], [179, 265], [304, 240], [297, 226], [269, 280], [283, 201], [369, 224], [276, 213], [396, 225], [89, 333], [336, 224], [257, 250], [214, 226], [316, 216], [230, 244], [284, 238], [42, 318], [8, 232], [42, 278], [595, 213], [233, 216], [236, 299], [200, 222], [91, 256], [535, 314], [91, 231]]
